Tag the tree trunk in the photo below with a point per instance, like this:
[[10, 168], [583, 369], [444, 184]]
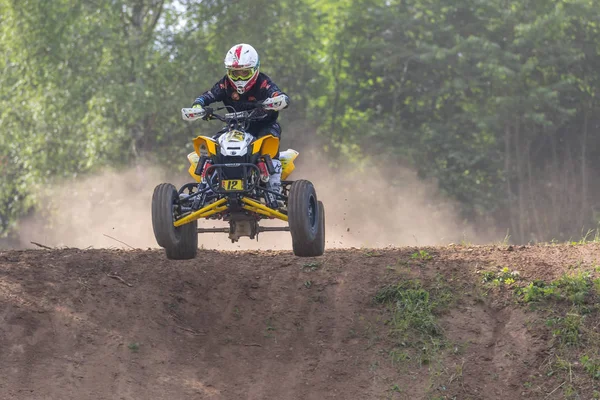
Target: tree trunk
[[554, 197], [336, 78], [540, 232], [583, 214], [139, 18], [508, 176], [522, 216]]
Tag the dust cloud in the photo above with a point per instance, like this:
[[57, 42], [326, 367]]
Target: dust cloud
[[112, 210], [109, 209], [370, 208]]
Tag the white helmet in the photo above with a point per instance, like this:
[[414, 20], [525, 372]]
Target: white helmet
[[241, 63]]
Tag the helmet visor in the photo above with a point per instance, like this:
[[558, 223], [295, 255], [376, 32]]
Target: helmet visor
[[240, 74]]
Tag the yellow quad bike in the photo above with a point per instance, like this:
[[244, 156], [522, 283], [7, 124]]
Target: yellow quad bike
[[231, 183]]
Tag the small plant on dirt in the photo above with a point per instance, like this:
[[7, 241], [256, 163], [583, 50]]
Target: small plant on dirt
[[135, 347], [413, 322], [506, 240], [372, 253], [421, 255], [399, 356], [560, 364], [458, 372], [395, 388], [307, 284], [596, 284], [270, 325], [313, 265], [269, 329], [591, 236], [464, 241], [374, 366], [537, 291], [591, 366], [400, 265], [236, 313], [566, 330], [575, 288], [443, 293], [504, 277], [570, 392]]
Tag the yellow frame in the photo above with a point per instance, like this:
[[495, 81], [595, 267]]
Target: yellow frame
[[203, 212], [260, 208], [218, 206]]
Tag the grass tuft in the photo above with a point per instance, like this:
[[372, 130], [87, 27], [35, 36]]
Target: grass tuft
[[413, 322], [576, 289]]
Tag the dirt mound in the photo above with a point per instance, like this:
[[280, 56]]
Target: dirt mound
[[408, 323]]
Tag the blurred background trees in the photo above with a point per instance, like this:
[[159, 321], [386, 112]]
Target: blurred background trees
[[497, 100]]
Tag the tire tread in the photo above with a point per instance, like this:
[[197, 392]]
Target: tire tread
[[180, 243], [304, 242]]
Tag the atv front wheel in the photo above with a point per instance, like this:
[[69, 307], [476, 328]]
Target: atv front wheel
[[320, 240], [180, 243], [306, 217]]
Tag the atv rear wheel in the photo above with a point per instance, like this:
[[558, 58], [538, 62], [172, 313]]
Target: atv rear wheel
[[180, 243], [306, 217]]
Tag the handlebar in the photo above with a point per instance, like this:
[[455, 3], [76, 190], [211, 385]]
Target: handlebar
[[235, 115], [236, 118]]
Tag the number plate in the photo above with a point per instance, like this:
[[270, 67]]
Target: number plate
[[233, 185]]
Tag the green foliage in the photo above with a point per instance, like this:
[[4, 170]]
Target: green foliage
[[571, 312], [462, 91], [574, 288], [459, 90], [134, 347], [372, 253], [504, 277], [567, 329], [591, 366], [537, 291], [413, 322], [421, 255], [312, 265]]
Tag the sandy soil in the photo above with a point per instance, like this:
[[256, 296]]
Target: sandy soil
[[118, 324]]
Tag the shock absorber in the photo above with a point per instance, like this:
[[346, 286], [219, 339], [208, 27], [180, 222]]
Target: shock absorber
[[265, 176], [207, 164], [200, 165], [264, 173]]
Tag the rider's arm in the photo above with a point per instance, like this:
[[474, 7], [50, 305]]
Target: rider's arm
[[273, 91], [274, 99], [216, 94]]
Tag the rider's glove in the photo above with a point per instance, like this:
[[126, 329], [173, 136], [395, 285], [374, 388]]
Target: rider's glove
[[276, 103], [207, 111], [196, 111]]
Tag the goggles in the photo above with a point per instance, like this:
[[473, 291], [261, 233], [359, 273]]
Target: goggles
[[240, 74]]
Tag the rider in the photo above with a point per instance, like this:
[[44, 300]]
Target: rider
[[243, 83]]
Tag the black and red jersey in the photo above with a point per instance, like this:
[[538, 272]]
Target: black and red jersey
[[226, 93]]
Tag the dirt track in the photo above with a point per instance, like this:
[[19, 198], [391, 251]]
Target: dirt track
[[115, 324]]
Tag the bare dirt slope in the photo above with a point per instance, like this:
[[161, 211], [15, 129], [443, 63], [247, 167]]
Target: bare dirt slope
[[116, 324]]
